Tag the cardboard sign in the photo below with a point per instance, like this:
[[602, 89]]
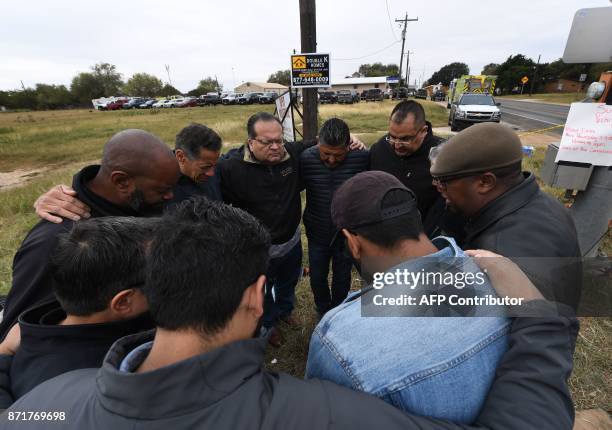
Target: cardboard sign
[[587, 137], [310, 71], [285, 115]]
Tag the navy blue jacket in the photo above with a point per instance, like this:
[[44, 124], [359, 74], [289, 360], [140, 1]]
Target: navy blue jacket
[[321, 182]]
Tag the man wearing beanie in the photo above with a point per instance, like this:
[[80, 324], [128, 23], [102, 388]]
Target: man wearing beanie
[[479, 174]]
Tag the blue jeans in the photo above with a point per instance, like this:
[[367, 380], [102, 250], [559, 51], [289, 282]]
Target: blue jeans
[[281, 278], [319, 256]]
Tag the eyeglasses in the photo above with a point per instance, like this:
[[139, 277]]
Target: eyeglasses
[[442, 181], [402, 141], [279, 142]]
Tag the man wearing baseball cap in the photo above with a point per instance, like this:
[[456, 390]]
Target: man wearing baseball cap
[[384, 233], [479, 174]]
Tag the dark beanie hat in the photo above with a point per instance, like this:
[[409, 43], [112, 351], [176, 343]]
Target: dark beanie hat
[[479, 148]]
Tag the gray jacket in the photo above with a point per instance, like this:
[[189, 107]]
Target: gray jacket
[[228, 389]]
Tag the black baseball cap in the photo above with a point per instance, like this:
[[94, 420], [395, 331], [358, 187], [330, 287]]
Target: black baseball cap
[[358, 202]]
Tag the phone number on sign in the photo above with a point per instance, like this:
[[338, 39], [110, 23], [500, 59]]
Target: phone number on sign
[[322, 80], [36, 416]]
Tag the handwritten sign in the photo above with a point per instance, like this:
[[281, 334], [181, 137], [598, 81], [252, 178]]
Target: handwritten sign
[[587, 137]]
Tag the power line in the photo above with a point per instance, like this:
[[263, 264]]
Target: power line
[[390, 23], [368, 55]]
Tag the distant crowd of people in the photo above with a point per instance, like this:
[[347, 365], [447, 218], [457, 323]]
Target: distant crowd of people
[[150, 289]]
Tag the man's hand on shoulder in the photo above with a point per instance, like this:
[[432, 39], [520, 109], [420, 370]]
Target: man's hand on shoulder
[[11, 342], [61, 202], [356, 144]]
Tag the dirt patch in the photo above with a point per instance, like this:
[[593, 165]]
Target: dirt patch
[[19, 177]]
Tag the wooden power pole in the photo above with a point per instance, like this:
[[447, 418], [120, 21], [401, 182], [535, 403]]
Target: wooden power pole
[[308, 28], [405, 21]]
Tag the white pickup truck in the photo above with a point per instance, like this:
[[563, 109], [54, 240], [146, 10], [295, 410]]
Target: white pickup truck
[[472, 108]]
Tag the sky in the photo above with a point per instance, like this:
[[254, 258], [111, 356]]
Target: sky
[[245, 40]]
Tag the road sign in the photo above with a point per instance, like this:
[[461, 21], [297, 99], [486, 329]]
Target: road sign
[[310, 71], [524, 79]]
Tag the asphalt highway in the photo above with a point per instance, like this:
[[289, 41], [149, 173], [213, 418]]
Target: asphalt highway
[[527, 116]]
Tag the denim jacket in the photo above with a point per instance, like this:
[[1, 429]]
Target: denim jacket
[[432, 366]]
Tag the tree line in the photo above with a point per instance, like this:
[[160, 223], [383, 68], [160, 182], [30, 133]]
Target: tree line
[[103, 80], [510, 72]]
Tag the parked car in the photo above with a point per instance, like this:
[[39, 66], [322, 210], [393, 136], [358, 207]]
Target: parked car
[[173, 103], [374, 95], [249, 98], [209, 100], [231, 99], [439, 96], [399, 93], [267, 98], [161, 104], [328, 97], [421, 94], [147, 104], [116, 105], [472, 108], [133, 103], [186, 102], [348, 96]]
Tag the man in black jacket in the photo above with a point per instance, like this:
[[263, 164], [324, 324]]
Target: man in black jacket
[[98, 272], [404, 152], [197, 149], [478, 172], [324, 168], [263, 178], [202, 369], [136, 176]]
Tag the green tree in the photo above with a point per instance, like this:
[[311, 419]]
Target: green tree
[[168, 90], [378, 69], [208, 85], [143, 85], [490, 69], [282, 77], [510, 72], [108, 77], [52, 96], [449, 72], [85, 87]]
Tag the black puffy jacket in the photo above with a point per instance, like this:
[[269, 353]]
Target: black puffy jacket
[[321, 182], [412, 170]]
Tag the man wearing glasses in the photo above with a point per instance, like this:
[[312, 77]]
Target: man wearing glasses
[[479, 174], [263, 178], [404, 152]]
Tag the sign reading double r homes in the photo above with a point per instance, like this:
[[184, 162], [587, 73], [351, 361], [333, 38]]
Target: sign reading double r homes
[[310, 71]]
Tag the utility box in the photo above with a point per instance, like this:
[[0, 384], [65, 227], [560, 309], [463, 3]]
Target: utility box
[[565, 174]]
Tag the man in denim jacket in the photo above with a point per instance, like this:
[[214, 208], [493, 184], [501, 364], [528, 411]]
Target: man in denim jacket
[[403, 353]]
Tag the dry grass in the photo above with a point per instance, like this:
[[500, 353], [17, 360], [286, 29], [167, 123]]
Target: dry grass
[[65, 140]]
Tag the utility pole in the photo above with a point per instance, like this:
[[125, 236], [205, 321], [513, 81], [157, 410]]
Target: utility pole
[[408, 68], [308, 30], [405, 21], [535, 73]]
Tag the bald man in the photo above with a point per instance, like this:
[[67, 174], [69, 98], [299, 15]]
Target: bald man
[[135, 178]]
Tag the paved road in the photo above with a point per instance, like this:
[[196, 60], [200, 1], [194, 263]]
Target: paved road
[[533, 116]]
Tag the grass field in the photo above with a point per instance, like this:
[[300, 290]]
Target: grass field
[[562, 98], [48, 147]]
